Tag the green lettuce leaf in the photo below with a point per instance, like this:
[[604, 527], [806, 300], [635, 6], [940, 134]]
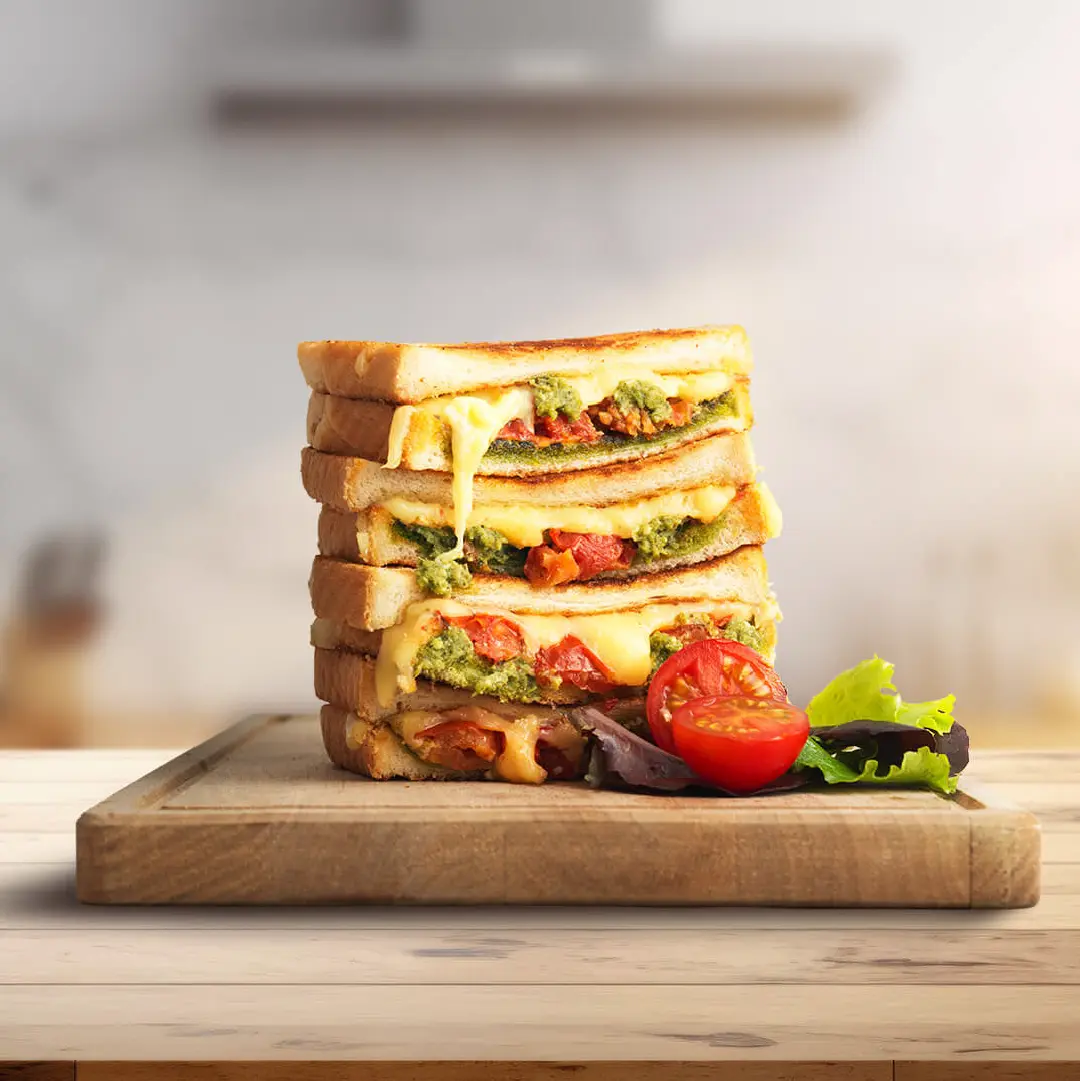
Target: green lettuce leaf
[[921, 767], [814, 756], [867, 693]]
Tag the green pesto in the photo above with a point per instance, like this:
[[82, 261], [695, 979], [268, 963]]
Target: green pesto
[[633, 394], [553, 395], [512, 450], [431, 540], [442, 576], [740, 630], [671, 537], [449, 657], [662, 646], [489, 551]]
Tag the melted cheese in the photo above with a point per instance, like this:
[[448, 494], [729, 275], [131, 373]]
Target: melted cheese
[[474, 421], [620, 640], [691, 386], [524, 525], [517, 761], [399, 429]]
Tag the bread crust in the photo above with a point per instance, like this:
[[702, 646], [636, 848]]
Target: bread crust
[[410, 372], [352, 484], [374, 598]]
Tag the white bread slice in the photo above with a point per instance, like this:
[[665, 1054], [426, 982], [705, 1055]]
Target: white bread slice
[[373, 598], [353, 484], [369, 536], [361, 429], [396, 372]]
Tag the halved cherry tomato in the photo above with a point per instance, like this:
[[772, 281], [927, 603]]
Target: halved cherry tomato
[[492, 637], [594, 553], [461, 745], [739, 743], [715, 666], [558, 429], [545, 566], [571, 661], [516, 430]]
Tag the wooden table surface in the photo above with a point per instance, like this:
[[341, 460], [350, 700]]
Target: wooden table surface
[[698, 993]]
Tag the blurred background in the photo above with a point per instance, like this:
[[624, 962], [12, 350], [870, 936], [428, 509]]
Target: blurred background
[[885, 195]]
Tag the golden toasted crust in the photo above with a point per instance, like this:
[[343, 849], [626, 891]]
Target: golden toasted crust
[[350, 483], [374, 598], [400, 372]]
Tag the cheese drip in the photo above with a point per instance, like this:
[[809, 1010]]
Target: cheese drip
[[474, 421], [524, 525], [620, 640]]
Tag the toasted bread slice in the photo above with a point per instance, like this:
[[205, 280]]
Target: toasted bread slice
[[347, 679], [354, 484], [373, 598], [377, 750], [402, 373], [369, 536], [361, 429]]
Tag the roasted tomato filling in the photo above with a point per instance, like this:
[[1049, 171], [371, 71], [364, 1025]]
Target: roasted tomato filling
[[569, 557]]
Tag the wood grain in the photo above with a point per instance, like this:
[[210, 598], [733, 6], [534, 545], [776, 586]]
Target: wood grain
[[987, 1071], [320, 957], [484, 1071], [258, 815], [42, 897], [37, 1071], [630, 1022]]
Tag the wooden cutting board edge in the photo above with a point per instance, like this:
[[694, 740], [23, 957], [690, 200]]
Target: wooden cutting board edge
[[1004, 840]]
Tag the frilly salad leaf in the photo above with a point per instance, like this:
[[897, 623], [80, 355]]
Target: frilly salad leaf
[[867, 693], [925, 765], [863, 732]]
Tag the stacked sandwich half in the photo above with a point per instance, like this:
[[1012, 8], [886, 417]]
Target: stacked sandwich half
[[509, 529]]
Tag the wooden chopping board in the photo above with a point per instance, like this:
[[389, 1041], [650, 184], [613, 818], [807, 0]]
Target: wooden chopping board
[[258, 815]]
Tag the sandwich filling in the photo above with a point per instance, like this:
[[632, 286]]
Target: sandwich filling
[[554, 420], [537, 658], [526, 748], [552, 545]]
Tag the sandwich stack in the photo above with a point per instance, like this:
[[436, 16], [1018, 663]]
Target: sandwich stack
[[509, 529]]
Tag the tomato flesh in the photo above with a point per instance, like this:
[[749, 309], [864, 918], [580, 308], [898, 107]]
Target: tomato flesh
[[594, 553], [571, 661], [545, 566], [713, 666], [493, 637], [739, 743]]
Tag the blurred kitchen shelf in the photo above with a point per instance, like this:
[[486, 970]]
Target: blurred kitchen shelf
[[403, 77]]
